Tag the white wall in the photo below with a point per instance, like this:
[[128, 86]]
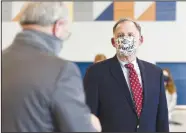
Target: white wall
[[163, 41]]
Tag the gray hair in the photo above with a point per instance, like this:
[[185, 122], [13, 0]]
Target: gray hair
[[124, 20], [43, 13]]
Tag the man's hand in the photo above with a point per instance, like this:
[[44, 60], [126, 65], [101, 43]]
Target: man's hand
[[96, 123]]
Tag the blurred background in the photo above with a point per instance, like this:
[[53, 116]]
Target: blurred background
[[163, 28]]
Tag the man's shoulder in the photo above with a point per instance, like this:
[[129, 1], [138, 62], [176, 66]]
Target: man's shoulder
[[151, 66], [66, 67], [69, 67], [41, 63], [100, 66]]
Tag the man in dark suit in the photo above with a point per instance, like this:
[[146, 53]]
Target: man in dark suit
[[124, 92], [40, 91]]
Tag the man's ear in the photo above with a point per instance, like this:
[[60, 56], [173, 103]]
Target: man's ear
[[141, 39], [57, 27], [113, 42]]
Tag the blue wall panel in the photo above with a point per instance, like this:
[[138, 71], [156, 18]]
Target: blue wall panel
[[178, 71], [166, 10], [107, 14], [83, 67]]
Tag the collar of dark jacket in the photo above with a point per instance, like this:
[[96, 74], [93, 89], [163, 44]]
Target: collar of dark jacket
[[40, 40]]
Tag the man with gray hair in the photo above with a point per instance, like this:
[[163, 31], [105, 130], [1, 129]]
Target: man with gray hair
[[40, 91], [126, 93]]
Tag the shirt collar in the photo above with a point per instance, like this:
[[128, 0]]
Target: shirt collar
[[123, 63]]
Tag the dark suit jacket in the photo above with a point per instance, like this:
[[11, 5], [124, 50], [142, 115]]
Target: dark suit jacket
[[108, 96], [41, 92]]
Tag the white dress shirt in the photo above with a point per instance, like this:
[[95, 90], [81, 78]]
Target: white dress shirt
[[126, 72], [171, 102]]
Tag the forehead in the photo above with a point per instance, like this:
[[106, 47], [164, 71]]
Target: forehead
[[126, 27], [165, 73]]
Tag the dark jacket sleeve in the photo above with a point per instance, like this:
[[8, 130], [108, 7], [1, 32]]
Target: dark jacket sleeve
[[91, 89], [162, 123], [70, 112]]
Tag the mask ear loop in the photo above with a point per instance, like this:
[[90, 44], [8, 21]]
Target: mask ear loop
[[68, 36]]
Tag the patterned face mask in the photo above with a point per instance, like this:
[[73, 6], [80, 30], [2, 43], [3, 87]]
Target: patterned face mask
[[126, 46]]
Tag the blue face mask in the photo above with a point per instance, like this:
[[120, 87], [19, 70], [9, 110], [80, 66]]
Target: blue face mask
[[166, 78]]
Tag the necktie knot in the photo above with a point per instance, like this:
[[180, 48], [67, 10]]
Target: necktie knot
[[129, 66]]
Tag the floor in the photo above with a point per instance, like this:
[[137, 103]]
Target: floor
[[179, 116]]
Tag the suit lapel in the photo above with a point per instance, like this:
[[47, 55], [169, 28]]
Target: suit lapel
[[118, 75], [144, 80]]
